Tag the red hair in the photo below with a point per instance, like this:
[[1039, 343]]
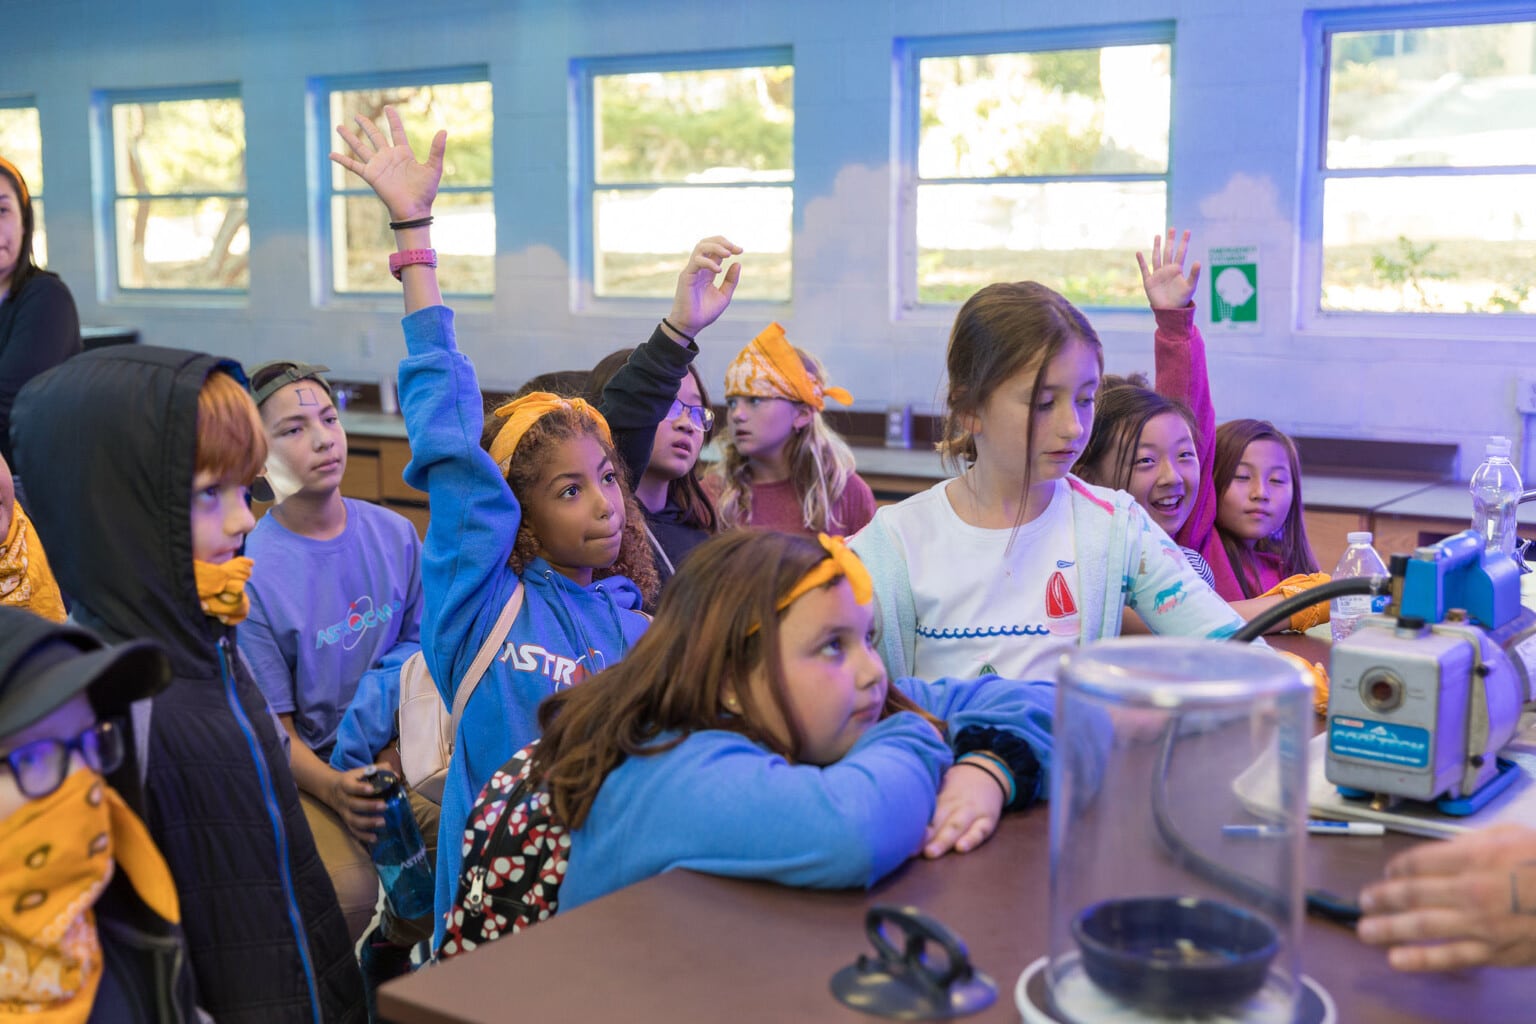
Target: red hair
[[231, 444]]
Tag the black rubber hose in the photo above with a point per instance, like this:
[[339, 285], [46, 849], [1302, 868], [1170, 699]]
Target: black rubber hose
[[1282, 612]]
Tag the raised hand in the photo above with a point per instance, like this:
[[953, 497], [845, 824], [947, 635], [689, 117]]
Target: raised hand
[[1164, 282], [698, 301], [390, 167]]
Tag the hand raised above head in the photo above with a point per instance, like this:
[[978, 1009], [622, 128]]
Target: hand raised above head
[[1164, 282], [390, 167], [698, 301]]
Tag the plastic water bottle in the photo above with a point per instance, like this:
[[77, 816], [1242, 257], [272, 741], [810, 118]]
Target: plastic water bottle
[[1360, 559], [1496, 498], [399, 853]]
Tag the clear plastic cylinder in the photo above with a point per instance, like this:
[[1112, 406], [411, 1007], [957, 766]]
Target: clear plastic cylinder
[[1178, 811]]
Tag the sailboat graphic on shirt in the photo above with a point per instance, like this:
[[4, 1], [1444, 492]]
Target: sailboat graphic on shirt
[[1060, 606]]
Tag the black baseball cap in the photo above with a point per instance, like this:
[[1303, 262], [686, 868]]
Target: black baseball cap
[[268, 378], [43, 664]]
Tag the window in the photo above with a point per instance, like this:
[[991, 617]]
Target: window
[[21, 142], [1423, 188], [1042, 157], [178, 215], [673, 154], [355, 225]]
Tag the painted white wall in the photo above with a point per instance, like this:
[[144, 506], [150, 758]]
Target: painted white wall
[[1238, 116]]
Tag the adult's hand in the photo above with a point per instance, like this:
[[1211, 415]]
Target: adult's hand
[[1468, 902]]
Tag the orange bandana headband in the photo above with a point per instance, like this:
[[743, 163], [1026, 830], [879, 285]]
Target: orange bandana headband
[[524, 412], [21, 184], [770, 367], [840, 561]]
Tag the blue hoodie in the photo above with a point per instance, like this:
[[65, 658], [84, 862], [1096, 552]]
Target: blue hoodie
[[720, 804], [563, 633]]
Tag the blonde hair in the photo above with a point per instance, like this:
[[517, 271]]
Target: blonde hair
[[820, 463]]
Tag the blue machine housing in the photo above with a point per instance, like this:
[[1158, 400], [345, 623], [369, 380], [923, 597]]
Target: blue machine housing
[[1459, 573]]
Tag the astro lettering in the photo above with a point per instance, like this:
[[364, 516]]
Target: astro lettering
[[561, 669], [361, 617]]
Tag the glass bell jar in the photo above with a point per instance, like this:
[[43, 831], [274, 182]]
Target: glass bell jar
[[1178, 812]]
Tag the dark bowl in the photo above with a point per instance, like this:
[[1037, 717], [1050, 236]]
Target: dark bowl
[[1175, 952]]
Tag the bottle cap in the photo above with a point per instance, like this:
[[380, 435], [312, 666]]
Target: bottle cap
[[1499, 445], [382, 779], [1359, 537]]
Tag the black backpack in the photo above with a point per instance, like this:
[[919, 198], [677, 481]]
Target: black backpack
[[515, 856]]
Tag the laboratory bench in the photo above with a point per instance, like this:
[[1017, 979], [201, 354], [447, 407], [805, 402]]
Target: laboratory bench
[[1402, 510]]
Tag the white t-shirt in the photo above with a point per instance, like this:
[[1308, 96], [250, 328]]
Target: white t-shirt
[[989, 600]]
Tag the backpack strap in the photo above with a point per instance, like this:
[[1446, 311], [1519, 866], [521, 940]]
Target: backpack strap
[[482, 662], [656, 548]]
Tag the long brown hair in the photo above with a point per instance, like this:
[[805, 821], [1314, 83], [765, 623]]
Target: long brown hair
[[1001, 331], [1122, 410], [527, 466], [1291, 547], [687, 491], [705, 641], [820, 464]]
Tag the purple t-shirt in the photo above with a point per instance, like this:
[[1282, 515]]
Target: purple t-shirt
[[323, 612]]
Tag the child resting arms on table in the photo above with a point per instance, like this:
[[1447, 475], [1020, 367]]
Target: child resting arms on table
[[753, 732]]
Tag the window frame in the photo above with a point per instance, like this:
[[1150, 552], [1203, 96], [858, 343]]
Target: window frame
[[583, 156], [323, 140], [107, 195], [911, 51], [1318, 28], [28, 101]]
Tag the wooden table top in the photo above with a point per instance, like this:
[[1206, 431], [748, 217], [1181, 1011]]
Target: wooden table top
[[690, 947]]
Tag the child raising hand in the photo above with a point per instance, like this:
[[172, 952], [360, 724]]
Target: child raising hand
[[544, 518]]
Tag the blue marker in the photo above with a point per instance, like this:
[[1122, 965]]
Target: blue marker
[[1318, 827]]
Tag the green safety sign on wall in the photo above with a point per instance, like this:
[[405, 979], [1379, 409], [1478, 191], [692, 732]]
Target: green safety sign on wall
[[1234, 277]]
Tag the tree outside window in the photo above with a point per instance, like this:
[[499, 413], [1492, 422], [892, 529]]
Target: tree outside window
[[464, 225], [179, 207], [679, 154], [1048, 164], [1428, 169]]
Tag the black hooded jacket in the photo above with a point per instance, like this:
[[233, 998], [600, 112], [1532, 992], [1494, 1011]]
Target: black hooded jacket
[[107, 444]]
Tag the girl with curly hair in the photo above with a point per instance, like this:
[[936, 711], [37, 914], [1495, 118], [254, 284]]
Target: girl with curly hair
[[545, 516]]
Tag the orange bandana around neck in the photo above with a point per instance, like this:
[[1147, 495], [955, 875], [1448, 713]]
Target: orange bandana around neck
[[770, 367], [221, 588], [57, 854], [524, 412], [25, 579]]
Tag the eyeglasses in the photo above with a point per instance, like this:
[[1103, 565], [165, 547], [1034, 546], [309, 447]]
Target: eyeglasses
[[41, 766], [702, 416]]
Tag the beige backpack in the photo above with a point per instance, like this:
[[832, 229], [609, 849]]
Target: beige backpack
[[427, 728]]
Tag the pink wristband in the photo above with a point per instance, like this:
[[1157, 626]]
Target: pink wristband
[[408, 257]]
